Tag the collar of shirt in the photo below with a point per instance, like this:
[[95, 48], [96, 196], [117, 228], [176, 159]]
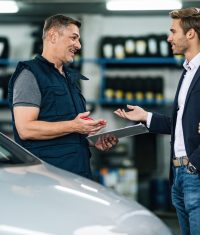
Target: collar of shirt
[[194, 63]]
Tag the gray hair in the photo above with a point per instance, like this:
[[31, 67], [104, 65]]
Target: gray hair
[[58, 21]]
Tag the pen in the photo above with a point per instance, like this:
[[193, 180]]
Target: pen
[[87, 118]]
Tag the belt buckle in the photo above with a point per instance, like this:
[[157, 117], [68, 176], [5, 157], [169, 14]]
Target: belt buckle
[[181, 161]]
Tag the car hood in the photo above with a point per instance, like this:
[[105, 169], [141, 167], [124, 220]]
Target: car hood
[[44, 200]]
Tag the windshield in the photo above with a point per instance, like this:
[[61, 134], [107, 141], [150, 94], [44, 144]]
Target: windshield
[[12, 154]]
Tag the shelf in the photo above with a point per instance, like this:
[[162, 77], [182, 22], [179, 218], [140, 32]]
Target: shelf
[[133, 60], [3, 102], [142, 102], [8, 62], [142, 60], [104, 102]]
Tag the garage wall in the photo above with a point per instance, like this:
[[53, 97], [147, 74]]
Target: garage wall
[[20, 39]]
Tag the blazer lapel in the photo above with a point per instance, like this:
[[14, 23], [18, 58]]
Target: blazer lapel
[[194, 80], [175, 104]]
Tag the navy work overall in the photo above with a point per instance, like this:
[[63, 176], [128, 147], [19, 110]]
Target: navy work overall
[[61, 101]]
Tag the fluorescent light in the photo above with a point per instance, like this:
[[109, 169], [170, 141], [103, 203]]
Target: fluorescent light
[[128, 5], [8, 7]]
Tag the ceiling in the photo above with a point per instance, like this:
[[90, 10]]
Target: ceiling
[[35, 11]]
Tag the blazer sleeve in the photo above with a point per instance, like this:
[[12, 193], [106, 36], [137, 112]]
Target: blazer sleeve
[[160, 124]]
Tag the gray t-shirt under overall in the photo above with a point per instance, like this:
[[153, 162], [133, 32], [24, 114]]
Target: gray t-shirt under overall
[[26, 91]]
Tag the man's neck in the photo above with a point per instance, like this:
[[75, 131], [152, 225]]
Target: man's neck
[[190, 54], [58, 65]]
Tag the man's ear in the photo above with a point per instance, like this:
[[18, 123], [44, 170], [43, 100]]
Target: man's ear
[[190, 33], [52, 35]]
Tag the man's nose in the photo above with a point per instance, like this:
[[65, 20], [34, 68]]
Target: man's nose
[[169, 39], [78, 45]]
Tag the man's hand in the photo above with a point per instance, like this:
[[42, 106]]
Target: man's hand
[[83, 124], [106, 142], [136, 113]]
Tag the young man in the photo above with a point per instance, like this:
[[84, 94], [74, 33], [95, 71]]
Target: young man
[[47, 106], [183, 124]]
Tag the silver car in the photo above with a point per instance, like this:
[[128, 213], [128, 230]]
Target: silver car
[[39, 199]]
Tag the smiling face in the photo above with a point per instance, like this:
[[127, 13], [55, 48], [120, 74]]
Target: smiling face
[[177, 38], [67, 43]]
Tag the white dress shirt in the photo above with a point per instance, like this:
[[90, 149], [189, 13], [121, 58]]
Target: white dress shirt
[[191, 68]]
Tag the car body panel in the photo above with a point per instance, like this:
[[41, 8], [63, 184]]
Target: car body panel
[[41, 199]]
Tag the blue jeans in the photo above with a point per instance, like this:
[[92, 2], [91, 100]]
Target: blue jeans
[[186, 200]]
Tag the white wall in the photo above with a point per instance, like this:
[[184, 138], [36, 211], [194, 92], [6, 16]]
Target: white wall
[[20, 39]]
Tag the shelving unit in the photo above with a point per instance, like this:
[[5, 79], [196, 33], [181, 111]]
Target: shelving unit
[[145, 160], [104, 63], [142, 61], [138, 60], [107, 103]]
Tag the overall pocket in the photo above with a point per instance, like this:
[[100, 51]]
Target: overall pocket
[[63, 102]]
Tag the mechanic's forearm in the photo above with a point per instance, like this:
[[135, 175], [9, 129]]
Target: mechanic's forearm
[[42, 130]]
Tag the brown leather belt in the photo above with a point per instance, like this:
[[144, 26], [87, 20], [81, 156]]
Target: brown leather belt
[[180, 161]]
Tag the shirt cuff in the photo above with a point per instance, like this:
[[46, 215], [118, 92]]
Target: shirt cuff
[[149, 117]]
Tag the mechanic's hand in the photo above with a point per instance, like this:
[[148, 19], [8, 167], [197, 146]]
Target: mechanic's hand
[[83, 124], [136, 113], [106, 142]]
